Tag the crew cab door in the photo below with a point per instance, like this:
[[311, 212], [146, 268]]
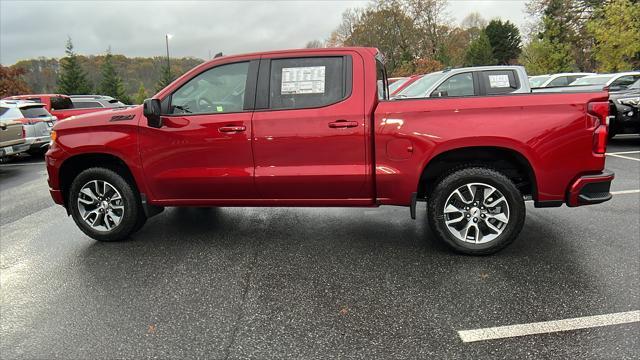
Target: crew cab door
[[203, 150], [309, 128]]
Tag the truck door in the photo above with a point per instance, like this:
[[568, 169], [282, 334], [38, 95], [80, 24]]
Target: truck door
[[203, 150], [309, 128]]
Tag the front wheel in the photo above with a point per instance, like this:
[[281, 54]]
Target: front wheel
[[476, 211], [104, 205]]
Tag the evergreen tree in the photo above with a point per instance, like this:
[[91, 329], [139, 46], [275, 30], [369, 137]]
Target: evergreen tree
[[504, 38], [165, 77], [480, 52], [110, 83], [141, 96], [72, 79]]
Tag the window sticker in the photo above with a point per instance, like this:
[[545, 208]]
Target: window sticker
[[499, 81], [303, 80]]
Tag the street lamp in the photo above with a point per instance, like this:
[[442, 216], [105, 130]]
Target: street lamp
[[167, 37]]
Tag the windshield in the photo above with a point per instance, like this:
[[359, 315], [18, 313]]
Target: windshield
[[537, 81], [420, 87], [592, 80], [396, 84]]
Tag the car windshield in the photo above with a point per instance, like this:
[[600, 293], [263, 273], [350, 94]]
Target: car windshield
[[537, 81], [396, 84], [420, 87], [592, 80]]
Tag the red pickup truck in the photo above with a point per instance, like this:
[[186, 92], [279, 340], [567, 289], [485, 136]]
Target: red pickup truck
[[313, 128]]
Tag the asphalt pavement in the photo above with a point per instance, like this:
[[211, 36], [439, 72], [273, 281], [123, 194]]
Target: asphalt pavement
[[312, 283]]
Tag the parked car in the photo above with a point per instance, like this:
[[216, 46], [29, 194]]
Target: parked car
[[94, 101], [555, 80], [36, 123], [470, 81], [61, 106], [625, 110], [11, 140], [614, 82], [400, 85], [310, 128]]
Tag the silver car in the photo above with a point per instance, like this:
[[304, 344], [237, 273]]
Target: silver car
[[36, 123]]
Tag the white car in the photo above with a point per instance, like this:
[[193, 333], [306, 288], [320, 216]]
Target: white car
[[36, 122], [555, 80], [614, 82]]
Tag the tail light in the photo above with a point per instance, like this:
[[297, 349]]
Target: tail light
[[24, 133], [598, 113]]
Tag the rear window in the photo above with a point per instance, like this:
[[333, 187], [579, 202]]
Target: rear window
[[307, 82], [86, 104], [499, 81], [32, 112], [592, 80], [537, 81], [560, 81], [61, 103]]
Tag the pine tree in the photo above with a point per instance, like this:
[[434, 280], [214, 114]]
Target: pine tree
[[72, 79], [111, 84], [504, 38], [141, 96], [165, 78], [480, 52]]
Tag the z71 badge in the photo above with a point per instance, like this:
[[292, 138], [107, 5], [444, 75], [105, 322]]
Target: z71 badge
[[122, 117]]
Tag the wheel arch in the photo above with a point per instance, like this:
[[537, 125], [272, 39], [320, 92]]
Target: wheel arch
[[510, 162]]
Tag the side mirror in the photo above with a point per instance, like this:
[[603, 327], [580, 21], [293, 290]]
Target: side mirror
[[151, 110]]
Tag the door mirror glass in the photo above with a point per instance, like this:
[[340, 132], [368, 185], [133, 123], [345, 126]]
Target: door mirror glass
[[151, 110]]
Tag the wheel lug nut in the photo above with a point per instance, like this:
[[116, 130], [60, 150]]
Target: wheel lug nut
[[475, 219]]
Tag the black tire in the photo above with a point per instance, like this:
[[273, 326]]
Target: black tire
[[446, 187], [132, 218]]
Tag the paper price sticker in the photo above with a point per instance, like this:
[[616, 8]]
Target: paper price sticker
[[303, 80], [499, 81]]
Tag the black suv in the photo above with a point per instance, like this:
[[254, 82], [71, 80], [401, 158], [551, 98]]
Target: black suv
[[625, 110]]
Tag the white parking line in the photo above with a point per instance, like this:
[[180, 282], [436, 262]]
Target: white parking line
[[623, 157], [624, 152], [622, 192], [544, 327], [23, 164]]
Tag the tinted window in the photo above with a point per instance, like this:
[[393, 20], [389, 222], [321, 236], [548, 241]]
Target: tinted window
[[86, 104], [31, 112], [560, 81], [217, 90], [457, 85], [61, 103], [624, 81], [499, 81], [306, 82], [3, 110]]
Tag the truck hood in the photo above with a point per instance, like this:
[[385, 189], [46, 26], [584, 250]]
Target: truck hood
[[116, 116]]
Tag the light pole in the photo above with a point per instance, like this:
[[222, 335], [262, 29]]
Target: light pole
[[167, 37]]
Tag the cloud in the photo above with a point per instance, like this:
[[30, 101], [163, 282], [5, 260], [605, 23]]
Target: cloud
[[30, 29]]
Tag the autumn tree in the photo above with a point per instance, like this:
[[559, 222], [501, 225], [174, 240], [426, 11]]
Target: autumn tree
[[110, 83], [314, 44], [505, 41], [616, 31], [141, 96], [480, 52], [72, 79], [12, 82]]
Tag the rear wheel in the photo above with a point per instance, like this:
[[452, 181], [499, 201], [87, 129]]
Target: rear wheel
[[476, 211], [104, 205]]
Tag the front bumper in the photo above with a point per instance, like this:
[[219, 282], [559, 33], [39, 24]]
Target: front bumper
[[590, 189]]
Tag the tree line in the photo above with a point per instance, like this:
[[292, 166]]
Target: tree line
[[130, 80], [417, 36]]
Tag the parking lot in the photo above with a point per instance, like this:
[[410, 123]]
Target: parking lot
[[313, 283]]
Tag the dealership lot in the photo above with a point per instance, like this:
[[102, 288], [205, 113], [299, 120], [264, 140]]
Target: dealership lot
[[314, 283]]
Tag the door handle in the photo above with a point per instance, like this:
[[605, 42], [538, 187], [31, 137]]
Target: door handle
[[340, 124], [232, 128]]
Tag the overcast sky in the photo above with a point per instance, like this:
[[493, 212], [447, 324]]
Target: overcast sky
[[30, 29]]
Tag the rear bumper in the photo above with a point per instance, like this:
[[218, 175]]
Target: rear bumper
[[590, 189]]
